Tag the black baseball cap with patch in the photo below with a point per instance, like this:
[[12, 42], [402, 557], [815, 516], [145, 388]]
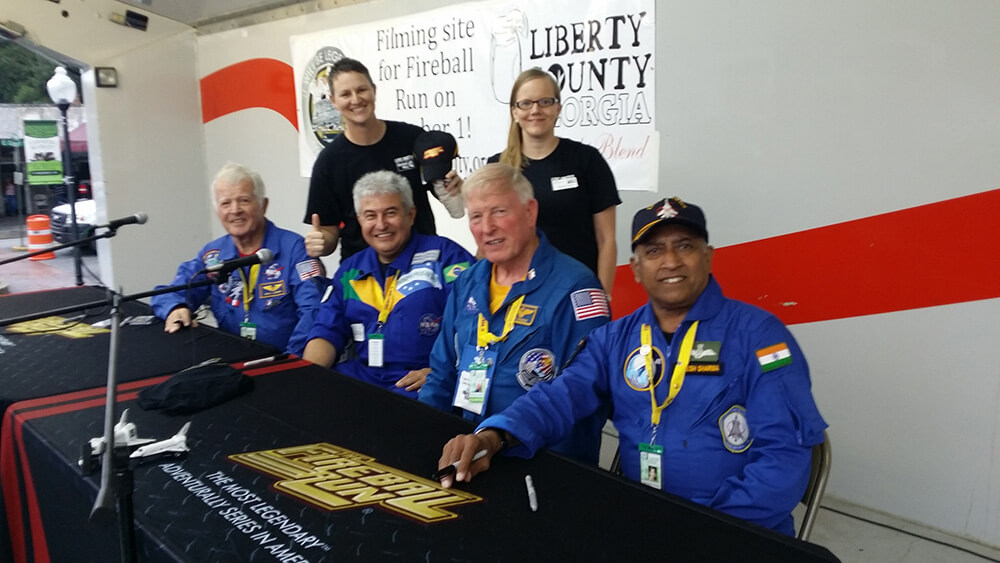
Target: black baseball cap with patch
[[434, 151], [666, 212]]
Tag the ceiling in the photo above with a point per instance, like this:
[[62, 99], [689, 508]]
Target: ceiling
[[200, 12], [214, 15]]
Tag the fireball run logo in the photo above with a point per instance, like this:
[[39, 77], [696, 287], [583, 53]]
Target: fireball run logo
[[335, 478], [319, 114]]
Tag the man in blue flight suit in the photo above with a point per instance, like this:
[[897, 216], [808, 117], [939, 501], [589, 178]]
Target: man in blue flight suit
[[275, 303], [727, 419], [517, 316], [388, 298]]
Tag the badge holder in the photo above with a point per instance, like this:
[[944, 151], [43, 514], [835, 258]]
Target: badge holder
[[473, 389], [376, 350], [651, 465]]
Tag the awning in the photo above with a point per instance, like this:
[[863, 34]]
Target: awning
[[78, 138]]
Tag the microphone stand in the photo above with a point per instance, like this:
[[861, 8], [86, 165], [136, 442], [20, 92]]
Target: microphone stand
[[78, 242], [117, 481]]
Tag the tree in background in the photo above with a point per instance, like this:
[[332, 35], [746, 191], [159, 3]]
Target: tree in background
[[24, 75]]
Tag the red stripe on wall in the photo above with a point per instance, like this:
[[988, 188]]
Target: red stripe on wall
[[936, 254], [255, 83]]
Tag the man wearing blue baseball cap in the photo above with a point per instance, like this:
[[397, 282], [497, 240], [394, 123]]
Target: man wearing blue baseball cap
[[711, 396]]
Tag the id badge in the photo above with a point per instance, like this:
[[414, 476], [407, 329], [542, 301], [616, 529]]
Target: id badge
[[248, 330], [651, 465], [376, 347], [473, 389]]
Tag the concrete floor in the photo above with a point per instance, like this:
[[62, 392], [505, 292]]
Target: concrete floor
[[27, 275], [852, 533], [856, 534]]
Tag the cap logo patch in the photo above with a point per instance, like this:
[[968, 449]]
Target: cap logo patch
[[667, 211], [433, 152]]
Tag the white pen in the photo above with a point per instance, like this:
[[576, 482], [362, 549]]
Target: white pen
[[450, 469], [532, 497], [264, 360]]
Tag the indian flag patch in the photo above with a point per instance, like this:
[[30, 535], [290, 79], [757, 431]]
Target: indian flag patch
[[773, 357]]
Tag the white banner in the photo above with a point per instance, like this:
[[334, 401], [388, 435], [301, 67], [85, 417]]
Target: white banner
[[452, 69]]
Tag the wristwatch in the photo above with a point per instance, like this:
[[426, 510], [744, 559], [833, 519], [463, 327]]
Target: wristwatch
[[500, 433]]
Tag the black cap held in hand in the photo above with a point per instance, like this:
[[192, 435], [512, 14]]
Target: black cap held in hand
[[668, 211], [434, 151]]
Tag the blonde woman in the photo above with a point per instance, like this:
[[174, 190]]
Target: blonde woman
[[573, 184]]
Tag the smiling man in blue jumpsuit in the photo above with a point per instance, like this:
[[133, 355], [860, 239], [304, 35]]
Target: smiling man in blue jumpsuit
[[274, 303], [517, 316], [388, 298], [729, 420]]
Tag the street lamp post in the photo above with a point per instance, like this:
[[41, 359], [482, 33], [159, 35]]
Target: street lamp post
[[62, 91]]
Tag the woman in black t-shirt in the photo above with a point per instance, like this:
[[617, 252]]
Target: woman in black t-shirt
[[573, 184]]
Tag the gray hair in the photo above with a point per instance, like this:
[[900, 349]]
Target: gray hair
[[383, 182], [497, 172], [233, 174]]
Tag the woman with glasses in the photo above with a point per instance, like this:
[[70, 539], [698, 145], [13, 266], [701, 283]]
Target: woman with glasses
[[573, 184]]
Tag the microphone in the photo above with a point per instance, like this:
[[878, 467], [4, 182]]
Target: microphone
[[137, 219], [262, 256]]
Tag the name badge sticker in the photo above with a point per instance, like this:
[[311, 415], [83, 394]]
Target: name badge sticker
[[358, 332], [564, 183]]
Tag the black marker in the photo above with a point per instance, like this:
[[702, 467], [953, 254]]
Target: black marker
[[450, 469]]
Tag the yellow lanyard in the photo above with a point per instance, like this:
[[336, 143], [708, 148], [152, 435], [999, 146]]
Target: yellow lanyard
[[248, 289], [483, 335], [388, 299], [680, 369]]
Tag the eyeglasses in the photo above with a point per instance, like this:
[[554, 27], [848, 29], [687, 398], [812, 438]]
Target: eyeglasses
[[542, 103]]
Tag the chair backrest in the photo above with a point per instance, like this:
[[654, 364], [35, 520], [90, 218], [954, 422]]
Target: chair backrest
[[616, 463], [818, 474]]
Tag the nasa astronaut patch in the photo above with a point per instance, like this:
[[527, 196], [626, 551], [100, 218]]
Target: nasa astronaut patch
[[430, 324], [536, 365], [471, 306], [735, 430], [273, 271]]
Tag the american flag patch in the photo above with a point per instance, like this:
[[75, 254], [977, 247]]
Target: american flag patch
[[590, 303], [308, 269]]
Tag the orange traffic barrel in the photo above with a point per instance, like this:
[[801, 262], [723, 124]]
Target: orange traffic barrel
[[39, 236]]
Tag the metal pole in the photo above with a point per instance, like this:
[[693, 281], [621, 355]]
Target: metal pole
[[22, 205], [68, 180]]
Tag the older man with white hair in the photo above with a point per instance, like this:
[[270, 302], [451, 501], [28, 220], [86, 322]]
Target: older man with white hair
[[275, 303], [517, 317]]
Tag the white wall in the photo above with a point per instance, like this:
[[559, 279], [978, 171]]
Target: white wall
[[776, 116]]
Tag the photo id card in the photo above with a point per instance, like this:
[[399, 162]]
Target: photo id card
[[651, 465], [248, 330]]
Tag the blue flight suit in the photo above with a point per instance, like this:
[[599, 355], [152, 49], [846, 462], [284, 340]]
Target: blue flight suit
[[558, 290], [426, 271], [285, 299], [739, 434]]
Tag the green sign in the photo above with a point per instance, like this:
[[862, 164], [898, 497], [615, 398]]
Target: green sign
[[11, 143], [41, 151]]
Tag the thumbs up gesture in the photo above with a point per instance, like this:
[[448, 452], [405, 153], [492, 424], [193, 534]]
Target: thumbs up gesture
[[316, 239]]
